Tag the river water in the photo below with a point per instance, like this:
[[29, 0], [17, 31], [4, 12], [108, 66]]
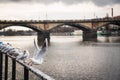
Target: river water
[[68, 58]]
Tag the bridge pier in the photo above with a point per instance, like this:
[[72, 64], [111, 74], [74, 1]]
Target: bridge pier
[[47, 36], [41, 36], [90, 35]]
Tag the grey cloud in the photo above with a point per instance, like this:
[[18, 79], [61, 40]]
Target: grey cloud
[[97, 2], [106, 2]]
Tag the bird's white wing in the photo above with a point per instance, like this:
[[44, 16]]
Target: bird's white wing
[[39, 53], [27, 54], [42, 52], [46, 43], [37, 62], [37, 48], [36, 45], [19, 57]]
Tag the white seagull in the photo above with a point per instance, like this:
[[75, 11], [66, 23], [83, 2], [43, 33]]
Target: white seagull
[[6, 48], [9, 49], [39, 53], [2, 46], [23, 56], [14, 52]]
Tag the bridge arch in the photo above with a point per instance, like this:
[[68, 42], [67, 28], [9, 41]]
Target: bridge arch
[[40, 32], [27, 26], [79, 26], [88, 33], [105, 25]]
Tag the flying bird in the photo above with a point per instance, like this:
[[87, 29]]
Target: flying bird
[[39, 53]]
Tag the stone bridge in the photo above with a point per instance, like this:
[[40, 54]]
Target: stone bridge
[[89, 27]]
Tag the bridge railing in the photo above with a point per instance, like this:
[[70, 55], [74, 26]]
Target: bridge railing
[[9, 70], [60, 21]]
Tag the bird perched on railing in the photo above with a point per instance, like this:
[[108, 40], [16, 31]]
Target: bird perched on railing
[[39, 53], [2, 46], [9, 49], [6, 48], [15, 52], [23, 56]]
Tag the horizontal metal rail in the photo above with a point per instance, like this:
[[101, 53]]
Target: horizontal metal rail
[[27, 69]]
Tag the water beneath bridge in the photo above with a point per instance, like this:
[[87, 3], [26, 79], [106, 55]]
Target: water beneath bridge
[[68, 58]]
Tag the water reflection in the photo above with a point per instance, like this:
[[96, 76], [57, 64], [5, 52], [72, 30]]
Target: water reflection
[[69, 58], [109, 39]]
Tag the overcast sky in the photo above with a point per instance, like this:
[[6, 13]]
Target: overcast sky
[[57, 9]]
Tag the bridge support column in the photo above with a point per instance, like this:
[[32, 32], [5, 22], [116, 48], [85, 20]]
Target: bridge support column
[[42, 36], [90, 35], [47, 36]]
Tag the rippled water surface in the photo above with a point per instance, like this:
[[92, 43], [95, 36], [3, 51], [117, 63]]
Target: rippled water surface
[[68, 58]]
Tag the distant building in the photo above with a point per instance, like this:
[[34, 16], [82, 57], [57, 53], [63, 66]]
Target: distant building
[[116, 17]]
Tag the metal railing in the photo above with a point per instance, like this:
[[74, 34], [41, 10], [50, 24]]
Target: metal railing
[[59, 21], [4, 70]]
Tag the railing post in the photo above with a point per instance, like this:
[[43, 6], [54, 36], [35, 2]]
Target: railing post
[[13, 69], [26, 74], [6, 67], [1, 65]]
